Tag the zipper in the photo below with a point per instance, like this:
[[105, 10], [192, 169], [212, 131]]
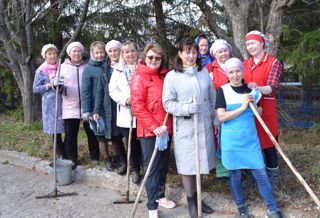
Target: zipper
[[79, 91]]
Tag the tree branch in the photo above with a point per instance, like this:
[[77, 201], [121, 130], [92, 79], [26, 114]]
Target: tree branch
[[79, 27]]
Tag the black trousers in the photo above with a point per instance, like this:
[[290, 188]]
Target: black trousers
[[136, 157], [71, 140], [60, 148]]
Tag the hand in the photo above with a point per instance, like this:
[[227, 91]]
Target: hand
[[85, 116], [216, 129], [252, 85], [96, 117], [246, 100], [128, 102], [160, 131], [194, 108], [162, 142], [58, 81]]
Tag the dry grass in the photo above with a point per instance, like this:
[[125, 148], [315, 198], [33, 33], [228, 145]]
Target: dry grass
[[300, 145]]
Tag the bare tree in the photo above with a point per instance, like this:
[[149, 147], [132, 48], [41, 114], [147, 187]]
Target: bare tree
[[16, 37]]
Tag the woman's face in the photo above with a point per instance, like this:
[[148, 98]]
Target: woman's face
[[235, 76], [98, 54], [114, 54], [153, 60], [254, 47], [188, 57], [76, 55], [130, 55], [51, 56], [203, 46], [222, 55]]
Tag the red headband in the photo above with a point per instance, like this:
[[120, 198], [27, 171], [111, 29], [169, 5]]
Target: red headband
[[254, 37]]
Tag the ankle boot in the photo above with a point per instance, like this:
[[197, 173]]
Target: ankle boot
[[122, 169], [205, 208], [108, 164], [192, 207], [273, 174]]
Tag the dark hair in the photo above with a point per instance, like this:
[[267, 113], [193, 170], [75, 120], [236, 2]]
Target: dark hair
[[156, 48], [185, 44]]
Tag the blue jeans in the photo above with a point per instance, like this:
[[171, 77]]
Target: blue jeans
[[155, 185], [263, 184]]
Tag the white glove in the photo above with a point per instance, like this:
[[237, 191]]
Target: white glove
[[194, 108], [58, 81], [85, 116]]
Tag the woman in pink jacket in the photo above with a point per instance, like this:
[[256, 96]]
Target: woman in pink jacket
[[71, 73]]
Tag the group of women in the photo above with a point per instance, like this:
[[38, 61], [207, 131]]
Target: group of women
[[205, 80]]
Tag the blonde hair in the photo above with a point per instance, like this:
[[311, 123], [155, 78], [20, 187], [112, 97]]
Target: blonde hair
[[125, 45], [97, 44]]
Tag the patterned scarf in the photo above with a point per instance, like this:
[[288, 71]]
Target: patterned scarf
[[49, 69]]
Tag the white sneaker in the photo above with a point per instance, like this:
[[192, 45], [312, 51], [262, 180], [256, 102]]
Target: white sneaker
[[153, 213], [164, 202]]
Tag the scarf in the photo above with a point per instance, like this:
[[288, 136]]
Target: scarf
[[49, 69]]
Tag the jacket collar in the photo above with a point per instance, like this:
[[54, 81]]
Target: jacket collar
[[144, 69]]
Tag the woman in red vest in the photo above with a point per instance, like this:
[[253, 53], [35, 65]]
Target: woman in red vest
[[263, 72]]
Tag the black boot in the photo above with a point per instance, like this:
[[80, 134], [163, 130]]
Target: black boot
[[205, 208], [122, 169], [108, 164], [192, 207]]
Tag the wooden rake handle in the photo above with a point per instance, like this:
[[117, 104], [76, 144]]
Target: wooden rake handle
[[284, 156], [154, 154]]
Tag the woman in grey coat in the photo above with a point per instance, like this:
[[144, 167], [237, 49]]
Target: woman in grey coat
[[188, 79]]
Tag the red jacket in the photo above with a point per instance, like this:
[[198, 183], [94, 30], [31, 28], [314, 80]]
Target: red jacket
[[146, 100], [218, 75]]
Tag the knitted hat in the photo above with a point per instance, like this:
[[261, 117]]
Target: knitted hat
[[233, 62], [45, 49], [75, 44], [220, 44], [257, 35], [113, 44]]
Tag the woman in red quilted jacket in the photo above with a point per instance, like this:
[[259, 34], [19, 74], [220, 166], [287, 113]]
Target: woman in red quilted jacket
[[146, 101]]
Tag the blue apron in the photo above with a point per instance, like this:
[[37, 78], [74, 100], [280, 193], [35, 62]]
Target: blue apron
[[240, 144]]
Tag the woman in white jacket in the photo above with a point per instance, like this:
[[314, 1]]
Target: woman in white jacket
[[119, 89]]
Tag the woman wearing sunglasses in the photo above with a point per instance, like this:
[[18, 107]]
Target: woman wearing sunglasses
[[146, 101]]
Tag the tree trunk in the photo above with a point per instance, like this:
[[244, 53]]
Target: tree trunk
[[161, 28], [274, 25]]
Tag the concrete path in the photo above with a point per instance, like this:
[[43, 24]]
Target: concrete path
[[22, 178]]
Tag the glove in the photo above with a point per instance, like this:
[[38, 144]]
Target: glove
[[194, 108], [97, 126], [58, 82], [85, 116], [162, 142]]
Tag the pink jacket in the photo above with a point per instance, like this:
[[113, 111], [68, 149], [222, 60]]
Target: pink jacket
[[71, 96]]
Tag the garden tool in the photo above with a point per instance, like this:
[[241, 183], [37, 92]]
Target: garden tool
[[198, 178], [154, 154], [126, 199], [56, 193], [284, 156]]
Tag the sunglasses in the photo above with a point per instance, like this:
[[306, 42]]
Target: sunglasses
[[150, 58]]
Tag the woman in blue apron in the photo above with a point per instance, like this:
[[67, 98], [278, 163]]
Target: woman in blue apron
[[239, 140]]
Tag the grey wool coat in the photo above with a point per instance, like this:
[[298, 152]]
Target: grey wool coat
[[178, 91]]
